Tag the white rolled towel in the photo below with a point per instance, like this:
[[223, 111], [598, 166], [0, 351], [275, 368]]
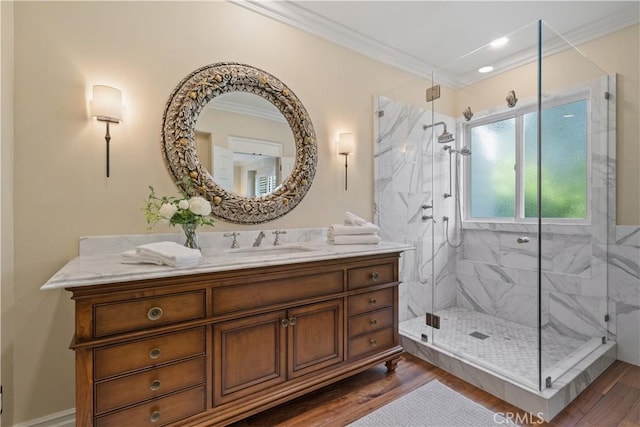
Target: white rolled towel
[[353, 219], [355, 239], [340, 229], [163, 253]]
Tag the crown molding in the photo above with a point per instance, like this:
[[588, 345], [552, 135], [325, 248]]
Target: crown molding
[[291, 14]]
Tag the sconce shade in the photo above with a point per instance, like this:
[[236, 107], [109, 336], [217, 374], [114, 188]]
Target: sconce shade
[[106, 105], [346, 143]]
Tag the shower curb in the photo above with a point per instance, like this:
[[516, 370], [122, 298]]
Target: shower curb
[[546, 404]]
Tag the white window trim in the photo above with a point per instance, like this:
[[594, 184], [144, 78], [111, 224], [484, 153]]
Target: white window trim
[[519, 220]]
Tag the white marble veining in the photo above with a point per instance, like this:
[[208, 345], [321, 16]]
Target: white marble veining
[[99, 261]]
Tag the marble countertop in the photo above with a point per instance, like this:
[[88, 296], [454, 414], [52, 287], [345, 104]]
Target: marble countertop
[[103, 268]]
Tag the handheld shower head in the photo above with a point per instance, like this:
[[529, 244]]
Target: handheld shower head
[[465, 151]]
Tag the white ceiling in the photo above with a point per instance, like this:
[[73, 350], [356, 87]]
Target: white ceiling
[[422, 36]]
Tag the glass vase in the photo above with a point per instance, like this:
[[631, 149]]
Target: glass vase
[[191, 237]]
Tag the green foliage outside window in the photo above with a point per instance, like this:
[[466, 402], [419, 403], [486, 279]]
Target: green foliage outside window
[[564, 164]]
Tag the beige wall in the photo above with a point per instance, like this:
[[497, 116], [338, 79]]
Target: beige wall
[[61, 193], [145, 49]]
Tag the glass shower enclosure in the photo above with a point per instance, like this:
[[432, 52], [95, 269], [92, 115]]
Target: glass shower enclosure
[[503, 180]]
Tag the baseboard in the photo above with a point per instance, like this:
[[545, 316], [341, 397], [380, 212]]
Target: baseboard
[[65, 418]]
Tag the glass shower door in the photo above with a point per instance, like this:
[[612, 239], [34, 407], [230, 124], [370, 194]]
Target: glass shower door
[[404, 198]]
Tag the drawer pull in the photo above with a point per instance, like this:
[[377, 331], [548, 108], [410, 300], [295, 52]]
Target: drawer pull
[[285, 323], [373, 321], [155, 385], [374, 276], [293, 321], [155, 416], [154, 313], [373, 342], [154, 353], [373, 300]]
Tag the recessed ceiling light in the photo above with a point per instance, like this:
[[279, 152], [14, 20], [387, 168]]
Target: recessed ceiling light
[[486, 69], [500, 42]]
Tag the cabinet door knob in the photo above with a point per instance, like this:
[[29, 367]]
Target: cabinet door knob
[[154, 313], [373, 342], [373, 321], [154, 353], [373, 300], [293, 321], [375, 276], [284, 322], [155, 416], [155, 385]]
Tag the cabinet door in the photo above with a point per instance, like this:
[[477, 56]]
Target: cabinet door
[[315, 336], [249, 355]]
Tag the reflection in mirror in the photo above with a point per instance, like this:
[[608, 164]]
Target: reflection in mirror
[[245, 143]]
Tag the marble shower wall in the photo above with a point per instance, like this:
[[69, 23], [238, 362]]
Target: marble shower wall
[[404, 182], [589, 271]]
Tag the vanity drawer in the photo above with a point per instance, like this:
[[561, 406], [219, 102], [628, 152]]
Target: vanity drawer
[[259, 294], [131, 389], [371, 321], [158, 412], [142, 313], [369, 301], [122, 358], [371, 342], [372, 275]]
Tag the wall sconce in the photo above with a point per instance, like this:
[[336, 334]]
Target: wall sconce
[[346, 146], [106, 106]]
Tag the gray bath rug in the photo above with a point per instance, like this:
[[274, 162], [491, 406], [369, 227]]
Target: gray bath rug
[[433, 405]]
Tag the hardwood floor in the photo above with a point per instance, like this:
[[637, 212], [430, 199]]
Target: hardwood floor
[[613, 400]]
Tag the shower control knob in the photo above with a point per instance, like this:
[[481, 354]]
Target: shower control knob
[[427, 217], [425, 206], [523, 240]]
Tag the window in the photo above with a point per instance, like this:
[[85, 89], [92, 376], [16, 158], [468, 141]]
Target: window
[[502, 171]]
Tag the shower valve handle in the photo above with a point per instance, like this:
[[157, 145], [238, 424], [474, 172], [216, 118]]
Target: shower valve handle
[[523, 240]]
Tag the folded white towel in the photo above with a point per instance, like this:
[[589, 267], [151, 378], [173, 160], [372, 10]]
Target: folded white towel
[[353, 219], [340, 229], [355, 239], [162, 253]]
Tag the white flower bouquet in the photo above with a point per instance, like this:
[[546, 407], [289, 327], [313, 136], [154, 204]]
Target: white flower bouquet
[[189, 212]]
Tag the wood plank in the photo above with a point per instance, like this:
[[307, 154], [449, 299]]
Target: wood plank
[[613, 407], [632, 418], [632, 377]]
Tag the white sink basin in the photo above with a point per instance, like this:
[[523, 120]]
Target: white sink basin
[[268, 251]]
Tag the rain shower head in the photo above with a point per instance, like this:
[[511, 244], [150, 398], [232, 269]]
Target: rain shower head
[[445, 137]]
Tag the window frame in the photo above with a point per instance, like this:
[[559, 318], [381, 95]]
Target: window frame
[[584, 94]]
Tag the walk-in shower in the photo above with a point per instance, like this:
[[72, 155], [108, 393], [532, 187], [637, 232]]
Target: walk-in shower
[[521, 300]]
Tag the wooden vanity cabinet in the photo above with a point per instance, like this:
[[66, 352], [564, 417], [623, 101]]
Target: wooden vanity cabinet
[[211, 349]]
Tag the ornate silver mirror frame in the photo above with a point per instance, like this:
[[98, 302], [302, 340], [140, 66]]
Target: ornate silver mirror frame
[[179, 148]]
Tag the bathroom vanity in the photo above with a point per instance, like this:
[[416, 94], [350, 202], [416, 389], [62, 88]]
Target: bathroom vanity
[[214, 344]]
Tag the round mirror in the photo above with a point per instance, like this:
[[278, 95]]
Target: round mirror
[[251, 172], [245, 143]]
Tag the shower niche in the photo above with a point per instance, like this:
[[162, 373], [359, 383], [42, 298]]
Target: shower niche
[[505, 185]]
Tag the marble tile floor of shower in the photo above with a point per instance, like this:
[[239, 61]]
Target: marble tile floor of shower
[[505, 363], [507, 347]]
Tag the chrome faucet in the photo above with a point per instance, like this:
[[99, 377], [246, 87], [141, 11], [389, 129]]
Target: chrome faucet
[[258, 240], [234, 244], [276, 241]]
